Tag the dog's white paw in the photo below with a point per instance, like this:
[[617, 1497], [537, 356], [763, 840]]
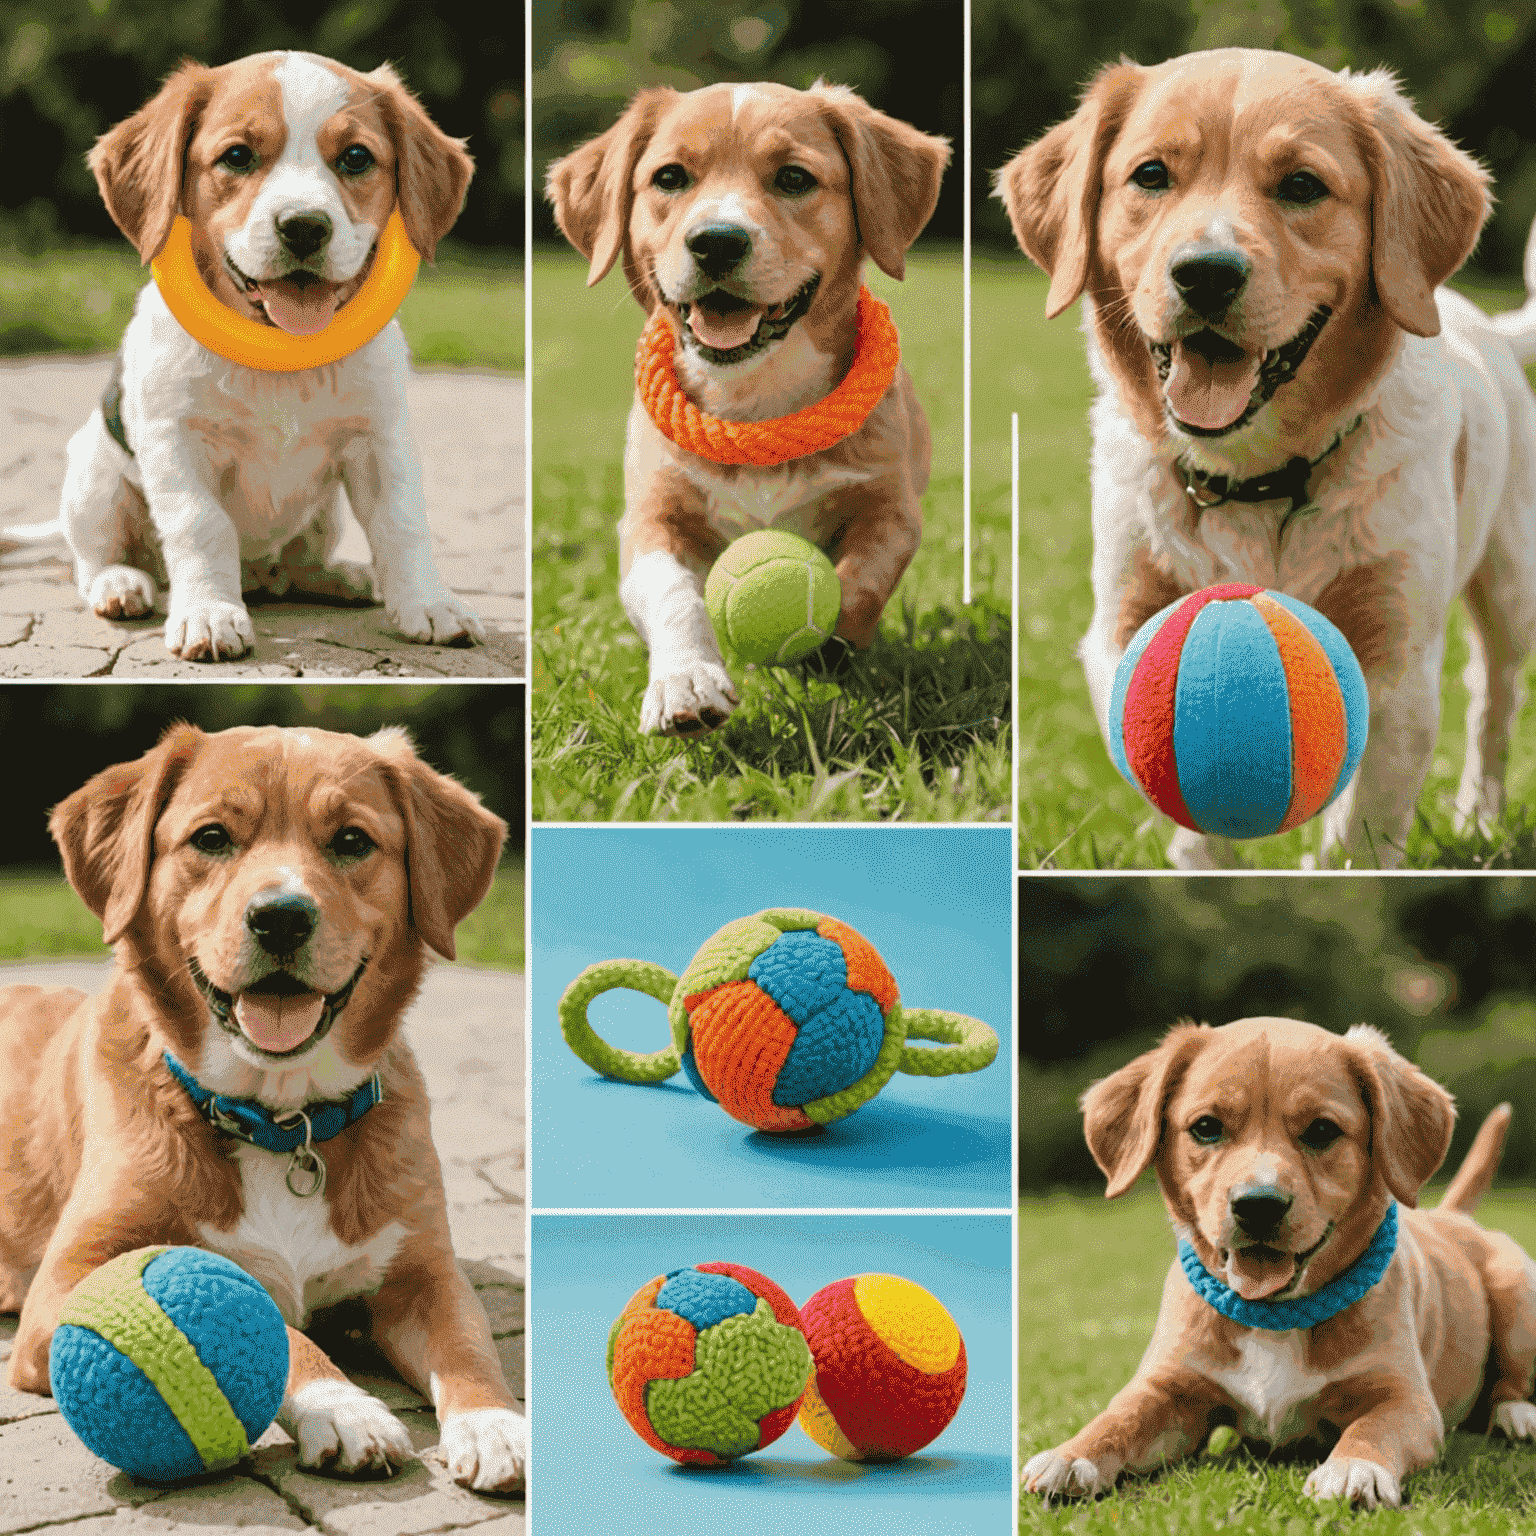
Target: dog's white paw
[[1355, 1479], [338, 1426], [121, 592], [1058, 1477], [440, 620], [1517, 1420], [208, 629], [690, 702], [487, 1449]]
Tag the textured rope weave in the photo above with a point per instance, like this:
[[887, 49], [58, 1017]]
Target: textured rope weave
[[1306, 1311], [612, 1061], [782, 438], [972, 1045]]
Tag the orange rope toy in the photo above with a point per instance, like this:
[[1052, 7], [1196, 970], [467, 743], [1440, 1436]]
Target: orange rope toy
[[782, 438]]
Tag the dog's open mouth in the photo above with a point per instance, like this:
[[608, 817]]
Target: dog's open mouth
[[1259, 1272], [301, 303], [1212, 386], [725, 328], [278, 1015]]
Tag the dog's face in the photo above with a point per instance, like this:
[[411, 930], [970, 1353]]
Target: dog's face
[[287, 166], [1275, 1142], [1249, 226], [283, 883]]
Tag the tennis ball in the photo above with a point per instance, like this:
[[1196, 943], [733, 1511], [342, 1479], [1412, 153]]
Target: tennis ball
[[708, 1363], [1224, 1440], [890, 1368], [1238, 711], [168, 1362], [773, 597]]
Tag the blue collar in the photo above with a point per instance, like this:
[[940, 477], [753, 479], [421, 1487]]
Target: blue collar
[[1344, 1290]]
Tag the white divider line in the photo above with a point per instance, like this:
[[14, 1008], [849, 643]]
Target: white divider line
[[965, 257], [1013, 461]]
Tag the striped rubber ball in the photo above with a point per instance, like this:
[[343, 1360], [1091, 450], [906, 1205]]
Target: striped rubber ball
[[169, 1362], [1238, 711]]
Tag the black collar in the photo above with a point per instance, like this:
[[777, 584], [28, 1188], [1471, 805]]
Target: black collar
[[1289, 481]]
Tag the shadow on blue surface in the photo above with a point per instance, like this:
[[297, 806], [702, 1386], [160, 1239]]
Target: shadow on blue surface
[[914, 1476]]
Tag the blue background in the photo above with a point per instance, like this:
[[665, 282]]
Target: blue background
[[934, 902], [595, 1474]]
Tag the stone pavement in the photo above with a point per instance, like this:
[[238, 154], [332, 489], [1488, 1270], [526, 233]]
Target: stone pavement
[[467, 1031], [468, 428]]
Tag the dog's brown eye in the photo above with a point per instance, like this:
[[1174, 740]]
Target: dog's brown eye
[[238, 157], [794, 179], [212, 839], [1301, 187], [351, 843], [1151, 176], [670, 178], [1207, 1130], [1320, 1135], [354, 160]]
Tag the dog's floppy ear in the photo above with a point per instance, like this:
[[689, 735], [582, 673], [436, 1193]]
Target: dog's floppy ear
[[591, 187], [1123, 1113], [895, 171], [1412, 1116], [138, 165], [1429, 201], [1051, 190], [452, 843], [106, 830], [432, 171]]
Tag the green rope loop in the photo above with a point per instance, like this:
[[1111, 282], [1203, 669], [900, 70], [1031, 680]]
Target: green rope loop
[[971, 1044], [627, 1066]]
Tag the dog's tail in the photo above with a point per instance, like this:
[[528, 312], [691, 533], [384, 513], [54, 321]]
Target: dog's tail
[[1518, 326], [1480, 1164]]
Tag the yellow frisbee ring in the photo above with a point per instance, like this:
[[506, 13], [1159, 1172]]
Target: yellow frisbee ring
[[221, 330]]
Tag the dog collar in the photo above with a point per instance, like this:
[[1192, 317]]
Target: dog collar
[[1290, 480], [777, 441], [253, 345], [282, 1130], [1344, 1290]]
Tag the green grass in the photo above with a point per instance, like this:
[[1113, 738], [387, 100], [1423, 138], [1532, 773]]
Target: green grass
[[1090, 1277], [1074, 809], [467, 311], [42, 918], [916, 730]]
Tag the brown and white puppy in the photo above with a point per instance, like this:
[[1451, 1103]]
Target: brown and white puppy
[[210, 478], [271, 895], [746, 212], [1258, 243], [1278, 1148]]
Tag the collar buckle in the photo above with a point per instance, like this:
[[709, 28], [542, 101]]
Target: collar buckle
[[303, 1160]]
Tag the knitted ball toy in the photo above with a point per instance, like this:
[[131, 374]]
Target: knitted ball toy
[[890, 1368], [1238, 711], [786, 1019], [773, 597], [168, 1362], [708, 1363]]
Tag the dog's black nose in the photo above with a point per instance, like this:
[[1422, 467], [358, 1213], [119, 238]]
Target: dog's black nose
[[1209, 283], [304, 234], [719, 248], [281, 922], [1260, 1211]]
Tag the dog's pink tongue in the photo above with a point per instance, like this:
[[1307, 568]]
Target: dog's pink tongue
[[1255, 1273], [1207, 394], [276, 1023], [722, 330], [300, 310]]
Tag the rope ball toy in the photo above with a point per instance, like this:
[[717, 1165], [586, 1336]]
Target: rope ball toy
[[787, 1019], [1238, 711]]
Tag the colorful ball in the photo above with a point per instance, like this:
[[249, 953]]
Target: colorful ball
[[708, 1363], [1238, 711], [773, 597], [890, 1368], [787, 1019], [168, 1362]]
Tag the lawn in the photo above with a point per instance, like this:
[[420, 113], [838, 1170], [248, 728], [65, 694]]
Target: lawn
[[466, 311], [1090, 1276], [1074, 810], [917, 729]]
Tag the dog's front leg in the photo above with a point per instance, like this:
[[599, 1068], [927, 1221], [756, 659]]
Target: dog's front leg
[[334, 1423], [1400, 1431], [881, 525]]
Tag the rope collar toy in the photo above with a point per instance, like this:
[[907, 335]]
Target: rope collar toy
[[788, 1020], [253, 345], [782, 438], [1344, 1290]]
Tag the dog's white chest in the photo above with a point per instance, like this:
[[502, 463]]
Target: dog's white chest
[[287, 1243], [1269, 1382]]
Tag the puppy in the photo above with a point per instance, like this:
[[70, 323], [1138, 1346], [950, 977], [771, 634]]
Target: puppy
[[1285, 398], [1280, 1148], [745, 212], [271, 895], [213, 479]]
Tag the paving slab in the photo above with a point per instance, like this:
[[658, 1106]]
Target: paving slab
[[468, 429]]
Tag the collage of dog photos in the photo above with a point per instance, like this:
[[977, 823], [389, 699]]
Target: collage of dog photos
[[775, 767]]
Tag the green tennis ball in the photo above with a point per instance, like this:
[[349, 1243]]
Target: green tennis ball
[[1223, 1442], [773, 597]]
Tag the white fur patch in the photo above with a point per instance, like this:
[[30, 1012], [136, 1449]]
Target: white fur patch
[[487, 1449], [1269, 1382], [337, 1423]]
